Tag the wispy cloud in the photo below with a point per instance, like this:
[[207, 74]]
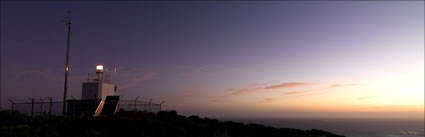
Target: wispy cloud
[[270, 99], [187, 94], [396, 107], [243, 91], [289, 85], [217, 98], [367, 97], [342, 85], [134, 78], [191, 91], [323, 88], [296, 92], [285, 88], [247, 90], [191, 96]]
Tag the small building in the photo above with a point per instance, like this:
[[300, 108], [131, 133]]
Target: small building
[[97, 97], [98, 87]]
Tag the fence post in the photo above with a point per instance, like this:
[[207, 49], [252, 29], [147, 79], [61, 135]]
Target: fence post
[[73, 107], [149, 106], [41, 106], [135, 102], [32, 107], [50, 105], [129, 105], [13, 104], [160, 105]]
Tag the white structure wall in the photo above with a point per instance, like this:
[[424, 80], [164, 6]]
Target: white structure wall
[[97, 90], [107, 89]]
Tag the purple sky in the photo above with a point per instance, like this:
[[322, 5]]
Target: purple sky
[[206, 50]]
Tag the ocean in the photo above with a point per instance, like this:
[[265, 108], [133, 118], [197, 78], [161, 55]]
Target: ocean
[[347, 127]]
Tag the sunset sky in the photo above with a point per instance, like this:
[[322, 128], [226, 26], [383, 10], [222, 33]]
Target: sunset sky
[[225, 59]]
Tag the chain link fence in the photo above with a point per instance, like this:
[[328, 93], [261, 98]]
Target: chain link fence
[[36, 107]]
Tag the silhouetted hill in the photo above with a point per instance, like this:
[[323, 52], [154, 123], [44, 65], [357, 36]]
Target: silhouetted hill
[[139, 124]]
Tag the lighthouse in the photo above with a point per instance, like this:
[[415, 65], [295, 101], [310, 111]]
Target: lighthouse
[[98, 86], [97, 97]]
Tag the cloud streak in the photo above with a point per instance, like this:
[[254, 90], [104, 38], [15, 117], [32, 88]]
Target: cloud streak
[[247, 90], [244, 91], [289, 85], [133, 79], [270, 99], [296, 92], [367, 97], [330, 86], [342, 85]]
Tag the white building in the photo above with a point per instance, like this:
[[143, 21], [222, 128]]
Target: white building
[[99, 87]]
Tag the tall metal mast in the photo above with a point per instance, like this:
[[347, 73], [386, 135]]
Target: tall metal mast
[[65, 89]]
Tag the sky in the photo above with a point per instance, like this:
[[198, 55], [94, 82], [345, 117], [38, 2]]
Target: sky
[[250, 59]]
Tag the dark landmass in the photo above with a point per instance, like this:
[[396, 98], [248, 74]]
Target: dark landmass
[[139, 124]]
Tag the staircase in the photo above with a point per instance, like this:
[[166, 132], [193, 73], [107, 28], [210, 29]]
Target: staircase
[[99, 108]]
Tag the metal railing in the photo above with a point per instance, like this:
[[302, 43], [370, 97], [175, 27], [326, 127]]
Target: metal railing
[[94, 77]]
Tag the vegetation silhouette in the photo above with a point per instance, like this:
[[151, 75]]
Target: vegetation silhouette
[[139, 124]]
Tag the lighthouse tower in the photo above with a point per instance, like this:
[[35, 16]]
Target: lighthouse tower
[[98, 86]]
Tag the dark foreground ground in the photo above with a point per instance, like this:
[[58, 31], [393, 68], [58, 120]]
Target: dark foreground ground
[[139, 124]]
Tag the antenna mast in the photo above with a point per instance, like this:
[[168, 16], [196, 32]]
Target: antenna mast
[[65, 89]]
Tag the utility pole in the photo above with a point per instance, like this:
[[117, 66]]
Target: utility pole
[[65, 89]]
